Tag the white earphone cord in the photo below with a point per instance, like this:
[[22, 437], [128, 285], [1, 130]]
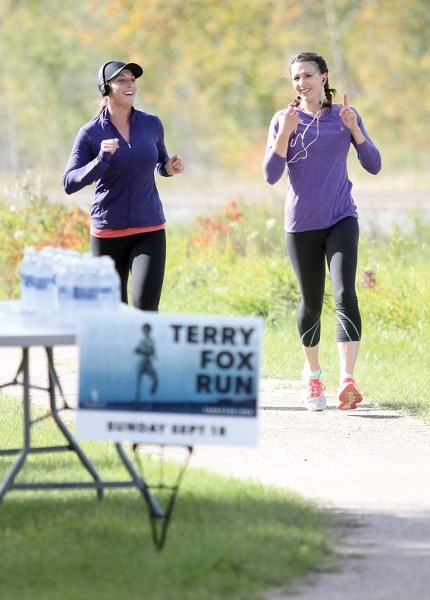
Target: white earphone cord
[[301, 136]]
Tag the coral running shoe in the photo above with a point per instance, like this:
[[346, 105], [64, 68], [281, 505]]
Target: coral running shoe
[[315, 399], [349, 394]]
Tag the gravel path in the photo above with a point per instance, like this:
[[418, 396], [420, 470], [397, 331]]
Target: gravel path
[[371, 464]]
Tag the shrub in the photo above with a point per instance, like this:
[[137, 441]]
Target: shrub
[[29, 219]]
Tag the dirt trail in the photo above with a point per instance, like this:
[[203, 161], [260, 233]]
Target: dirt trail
[[370, 464]]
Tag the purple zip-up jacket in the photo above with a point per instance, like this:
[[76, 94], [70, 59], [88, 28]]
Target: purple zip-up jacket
[[125, 192], [319, 190]]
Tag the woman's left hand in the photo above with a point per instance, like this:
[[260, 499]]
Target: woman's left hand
[[349, 119], [175, 165], [348, 115]]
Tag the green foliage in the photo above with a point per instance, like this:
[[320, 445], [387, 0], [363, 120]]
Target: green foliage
[[215, 76], [238, 266], [228, 284], [28, 219], [241, 272], [43, 74], [234, 263], [399, 297]]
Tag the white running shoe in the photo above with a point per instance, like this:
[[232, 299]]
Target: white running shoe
[[315, 399]]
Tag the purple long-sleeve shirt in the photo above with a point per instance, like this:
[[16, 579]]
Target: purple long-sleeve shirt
[[125, 191], [319, 189]]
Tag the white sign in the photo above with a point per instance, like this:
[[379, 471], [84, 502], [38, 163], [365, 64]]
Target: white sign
[[163, 379]]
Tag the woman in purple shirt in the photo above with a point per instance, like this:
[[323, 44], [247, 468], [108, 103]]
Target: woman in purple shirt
[[310, 140]]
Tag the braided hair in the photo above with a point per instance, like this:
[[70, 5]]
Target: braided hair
[[329, 92]]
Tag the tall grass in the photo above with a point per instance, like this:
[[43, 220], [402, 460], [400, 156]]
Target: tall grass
[[233, 262], [242, 269]]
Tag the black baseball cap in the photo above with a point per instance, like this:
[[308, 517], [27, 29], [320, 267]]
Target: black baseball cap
[[111, 69]]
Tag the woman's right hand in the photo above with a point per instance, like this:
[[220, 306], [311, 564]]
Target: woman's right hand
[[289, 121], [287, 124], [110, 146]]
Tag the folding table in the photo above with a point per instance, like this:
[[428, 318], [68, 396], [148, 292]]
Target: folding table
[[26, 331]]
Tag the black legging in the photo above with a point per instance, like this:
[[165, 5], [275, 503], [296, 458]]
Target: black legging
[[308, 252], [144, 256]]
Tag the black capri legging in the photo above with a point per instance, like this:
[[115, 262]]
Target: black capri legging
[[308, 252], [144, 256]]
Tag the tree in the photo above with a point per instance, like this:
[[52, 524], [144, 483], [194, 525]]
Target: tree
[[213, 70]]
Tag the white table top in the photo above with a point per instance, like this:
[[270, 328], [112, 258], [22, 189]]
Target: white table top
[[20, 329], [25, 330]]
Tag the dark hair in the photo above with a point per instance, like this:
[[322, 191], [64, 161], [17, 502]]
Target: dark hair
[[102, 105], [323, 69]]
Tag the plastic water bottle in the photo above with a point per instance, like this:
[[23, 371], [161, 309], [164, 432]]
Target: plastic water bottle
[[60, 281], [26, 273], [65, 284], [44, 284], [109, 284], [57, 262], [85, 288]]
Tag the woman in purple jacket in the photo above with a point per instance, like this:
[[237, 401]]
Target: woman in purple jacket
[[119, 151], [310, 139]]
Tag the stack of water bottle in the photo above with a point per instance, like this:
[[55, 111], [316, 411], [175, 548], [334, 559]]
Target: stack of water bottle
[[56, 281]]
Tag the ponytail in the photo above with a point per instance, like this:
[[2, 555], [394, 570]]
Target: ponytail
[[102, 106], [329, 94]]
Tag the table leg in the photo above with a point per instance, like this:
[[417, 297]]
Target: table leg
[[22, 454], [9, 483], [73, 445]]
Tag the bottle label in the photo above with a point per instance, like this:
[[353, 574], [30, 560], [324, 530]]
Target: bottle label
[[85, 293], [43, 283], [27, 280]]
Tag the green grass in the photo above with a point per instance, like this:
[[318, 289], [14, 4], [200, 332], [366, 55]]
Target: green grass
[[234, 263], [390, 370], [246, 274], [228, 539]]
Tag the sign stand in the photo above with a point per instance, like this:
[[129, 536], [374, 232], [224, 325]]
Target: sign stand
[[160, 520]]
